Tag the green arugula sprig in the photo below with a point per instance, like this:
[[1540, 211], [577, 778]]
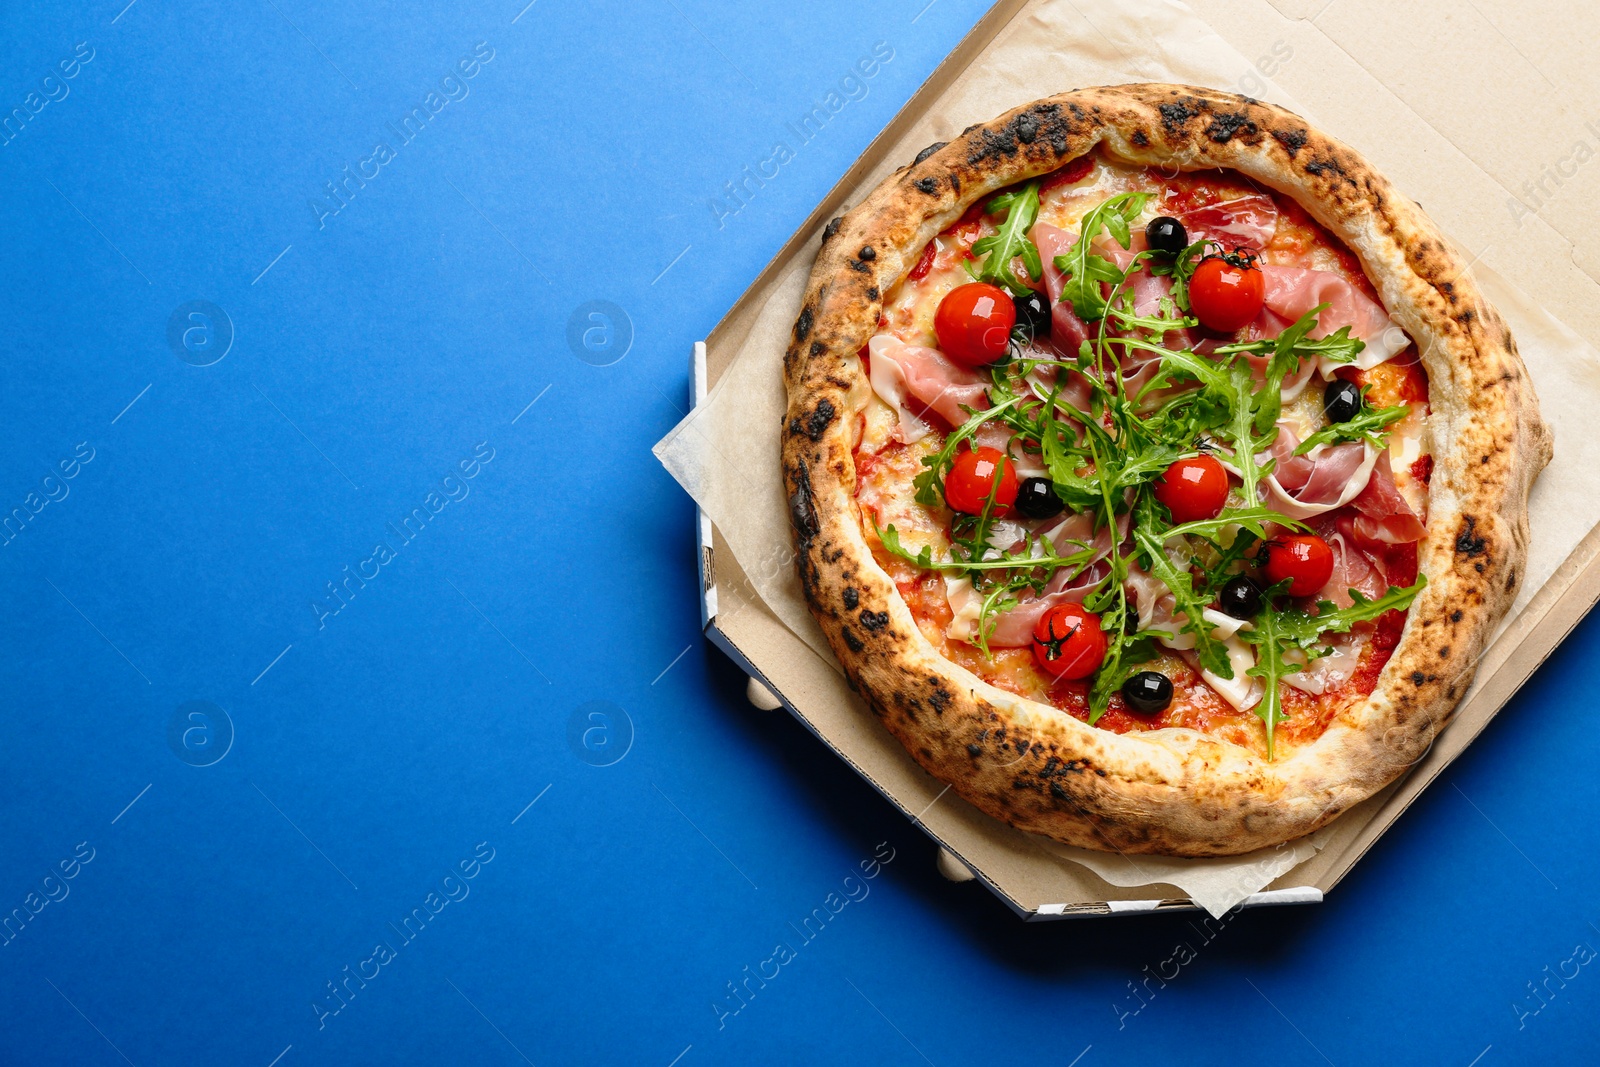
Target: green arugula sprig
[[1190, 601], [1281, 630], [1369, 424], [1086, 269], [1006, 244]]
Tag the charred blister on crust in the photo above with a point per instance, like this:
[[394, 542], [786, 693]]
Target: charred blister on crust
[[874, 620], [813, 424], [928, 185], [1227, 125], [802, 325], [930, 150], [1467, 541], [830, 229], [802, 511], [1291, 140], [1176, 114], [867, 254], [852, 599]]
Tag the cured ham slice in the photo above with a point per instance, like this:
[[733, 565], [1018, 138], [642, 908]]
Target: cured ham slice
[[1014, 628], [1330, 476], [903, 373], [1352, 568], [1067, 331], [1293, 291], [1247, 222], [1382, 513]]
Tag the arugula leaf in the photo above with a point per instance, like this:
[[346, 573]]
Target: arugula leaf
[[1085, 268], [1305, 629], [1000, 562], [1338, 346], [1240, 431], [1213, 656], [1251, 519], [1277, 632], [1011, 240], [1270, 667], [1181, 269], [1368, 424]]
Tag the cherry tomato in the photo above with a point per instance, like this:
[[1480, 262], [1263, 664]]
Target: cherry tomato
[[1303, 560], [1193, 489], [974, 323], [1226, 293], [974, 475], [1068, 641]]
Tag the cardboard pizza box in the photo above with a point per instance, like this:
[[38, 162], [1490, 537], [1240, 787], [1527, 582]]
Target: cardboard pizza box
[[1497, 160]]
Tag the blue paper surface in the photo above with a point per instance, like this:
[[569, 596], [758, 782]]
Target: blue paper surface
[[356, 709]]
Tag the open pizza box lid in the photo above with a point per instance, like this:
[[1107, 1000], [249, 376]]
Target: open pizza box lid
[[1443, 133]]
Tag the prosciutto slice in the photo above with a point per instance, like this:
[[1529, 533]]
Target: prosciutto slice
[[1382, 513], [1293, 291], [1067, 331], [914, 380], [1247, 222], [1330, 476], [1014, 628], [1352, 568]]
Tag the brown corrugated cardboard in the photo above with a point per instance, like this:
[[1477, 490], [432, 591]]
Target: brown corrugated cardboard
[[1441, 131]]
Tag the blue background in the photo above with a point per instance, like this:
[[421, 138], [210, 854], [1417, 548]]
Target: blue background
[[365, 753]]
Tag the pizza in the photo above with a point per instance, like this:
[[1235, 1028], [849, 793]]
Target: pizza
[[1157, 472]]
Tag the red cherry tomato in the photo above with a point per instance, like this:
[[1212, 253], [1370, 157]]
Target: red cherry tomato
[[974, 475], [1225, 295], [1068, 641], [974, 323], [1303, 560], [1193, 489]]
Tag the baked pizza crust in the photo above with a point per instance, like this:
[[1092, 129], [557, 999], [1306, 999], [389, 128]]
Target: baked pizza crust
[[1171, 791]]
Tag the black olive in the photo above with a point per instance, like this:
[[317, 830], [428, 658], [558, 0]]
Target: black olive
[[1240, 598], [1166, 235], [1342, 401], [1033, 317], [1036, 499], [1147, 692]]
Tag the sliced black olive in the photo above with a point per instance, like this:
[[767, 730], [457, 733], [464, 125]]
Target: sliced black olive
[[1342, 400], [1033, 317], [1166, 235], [1240, 598], [1036, 499], [1147, 692]]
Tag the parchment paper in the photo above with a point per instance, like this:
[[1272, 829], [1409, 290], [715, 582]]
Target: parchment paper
[[725, 453]]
